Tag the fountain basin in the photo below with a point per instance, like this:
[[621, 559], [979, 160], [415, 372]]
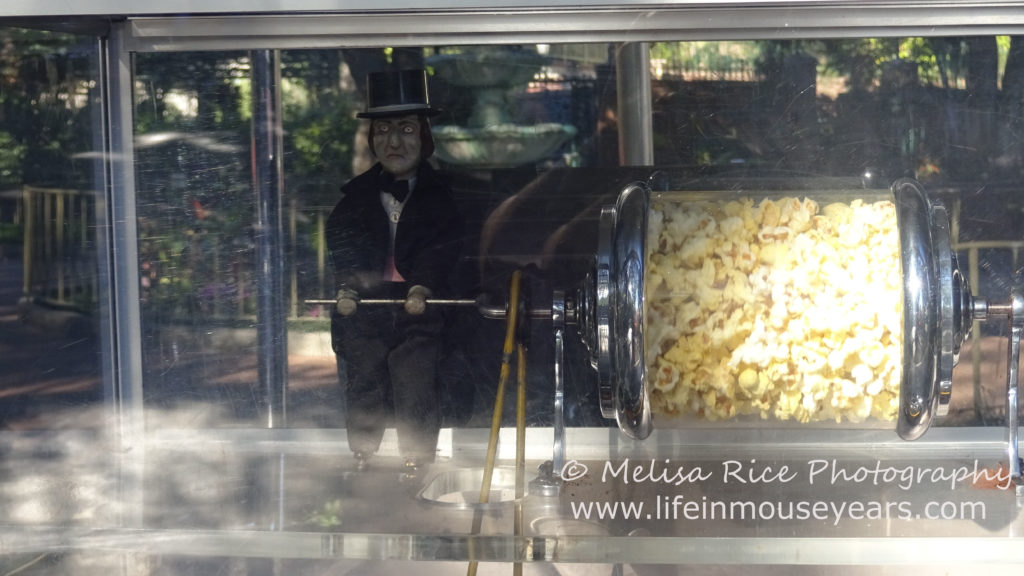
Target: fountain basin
[[488, 66], [499, 146]]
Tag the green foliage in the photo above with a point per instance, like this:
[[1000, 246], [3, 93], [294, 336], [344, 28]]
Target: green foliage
[[12, 153], [318, 142], [321, 141], [329, 515], [940, 61], [193, 133], [46, 100], [197, 91], [11, 233], [716, 56], [193, 180]]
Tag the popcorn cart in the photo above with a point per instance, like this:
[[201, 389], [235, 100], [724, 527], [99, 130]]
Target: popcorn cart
[[739, 289]]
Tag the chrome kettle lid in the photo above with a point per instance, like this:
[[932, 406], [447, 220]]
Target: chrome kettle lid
[[936, 307], [619, 312]]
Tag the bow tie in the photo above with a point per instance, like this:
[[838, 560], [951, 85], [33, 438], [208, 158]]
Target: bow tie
[[399, 189]]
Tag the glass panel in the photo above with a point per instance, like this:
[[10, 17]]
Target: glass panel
[[726, 116], [941, 110], [48, 236], [56, 464], [381, 465], [196, 212], [195, 218]]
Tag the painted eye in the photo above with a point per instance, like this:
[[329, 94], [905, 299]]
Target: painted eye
[[408, 129]]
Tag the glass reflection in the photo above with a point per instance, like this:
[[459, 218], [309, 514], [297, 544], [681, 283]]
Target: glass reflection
[[195, 217], [825, 107], [49, 210], [55, 465], [192, 116], [945, 111]]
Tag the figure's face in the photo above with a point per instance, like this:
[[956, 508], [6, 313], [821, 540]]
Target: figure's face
[[396, 141]]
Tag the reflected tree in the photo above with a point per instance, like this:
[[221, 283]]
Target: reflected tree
[[46, 95]]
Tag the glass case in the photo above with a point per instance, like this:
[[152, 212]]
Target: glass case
[[677, 288]]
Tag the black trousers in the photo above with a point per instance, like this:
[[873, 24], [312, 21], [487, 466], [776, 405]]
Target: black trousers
[[390, 359]]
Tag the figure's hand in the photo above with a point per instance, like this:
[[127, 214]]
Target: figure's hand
[[416, 300], [347, 300]]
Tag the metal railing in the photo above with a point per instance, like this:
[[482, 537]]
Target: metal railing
[[59, 254], [58, 246]]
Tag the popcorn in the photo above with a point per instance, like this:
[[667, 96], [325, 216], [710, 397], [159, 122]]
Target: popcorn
[[775, 308]]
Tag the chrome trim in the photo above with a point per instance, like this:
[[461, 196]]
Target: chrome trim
[[548, 22], [604, 296], [632, 401], [920, 313], [125, 305], [965, 309], [583, 314], [268, 235], [944, 267], [635, 109], [1016, 321], [232, 8], [659, 552], [558, 416]]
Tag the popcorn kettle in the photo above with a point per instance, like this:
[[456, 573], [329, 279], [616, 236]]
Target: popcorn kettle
[[937, 305], [607, 309]]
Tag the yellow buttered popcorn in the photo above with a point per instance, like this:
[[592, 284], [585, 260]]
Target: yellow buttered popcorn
[[779, 308]]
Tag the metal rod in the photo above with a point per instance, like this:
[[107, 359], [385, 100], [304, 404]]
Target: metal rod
[[321, 251], [29, 240], [517, 567], [59, 205], [489, 312], [999, 309], [293, 271], [633, 84], [395, 302], [271, 325], [268, 184]]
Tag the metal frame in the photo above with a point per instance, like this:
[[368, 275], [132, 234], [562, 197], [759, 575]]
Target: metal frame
[[220, 25], [124, 313], [632, 25], [129, 8], [549, 25], [406, 22]]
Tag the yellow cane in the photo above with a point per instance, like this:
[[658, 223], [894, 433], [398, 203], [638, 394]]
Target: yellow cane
[[492, 443]]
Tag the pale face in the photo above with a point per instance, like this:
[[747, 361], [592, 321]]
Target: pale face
[[396, 142]]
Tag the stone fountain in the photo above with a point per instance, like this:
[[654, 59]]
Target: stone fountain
[[490, 139]]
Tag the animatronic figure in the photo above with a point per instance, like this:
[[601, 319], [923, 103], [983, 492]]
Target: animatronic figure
[[396, 233]]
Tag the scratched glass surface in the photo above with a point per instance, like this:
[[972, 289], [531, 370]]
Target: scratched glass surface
[[54, 363], [943, 110], [196, 216]]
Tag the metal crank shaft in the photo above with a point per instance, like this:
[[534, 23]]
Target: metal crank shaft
[[491, 312], [397, 302]]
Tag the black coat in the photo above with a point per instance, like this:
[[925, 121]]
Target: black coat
[[427, 243]]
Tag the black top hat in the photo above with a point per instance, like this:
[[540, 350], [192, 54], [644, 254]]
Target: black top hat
[[397, 94]]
